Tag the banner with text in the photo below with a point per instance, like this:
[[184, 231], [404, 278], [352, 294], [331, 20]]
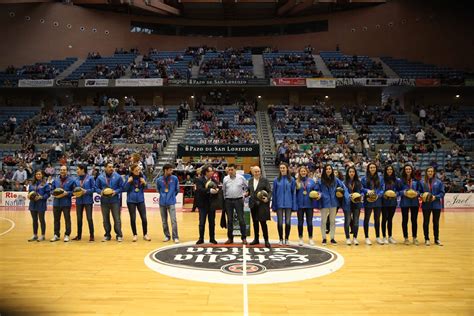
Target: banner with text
[[428, 82], [39, 83], [374, 82], [148, 82], [459, 200], [218, 150], [289, 82], [14, 199], [218, 82], [320, 83]]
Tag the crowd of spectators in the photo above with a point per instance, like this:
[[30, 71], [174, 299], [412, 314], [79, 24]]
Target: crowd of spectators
[[355, 68], [229, 63], [291, 65]]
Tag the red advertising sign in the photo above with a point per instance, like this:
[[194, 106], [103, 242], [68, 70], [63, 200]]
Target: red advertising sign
[[289, 82], [428, 82]]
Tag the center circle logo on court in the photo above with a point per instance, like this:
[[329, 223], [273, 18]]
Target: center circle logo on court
[[227, 263]]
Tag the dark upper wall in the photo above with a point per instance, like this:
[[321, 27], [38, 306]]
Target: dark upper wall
[[431, 32]]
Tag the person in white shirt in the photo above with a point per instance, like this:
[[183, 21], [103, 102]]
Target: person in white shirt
[[422, 116], [234, 187], [20, 175]]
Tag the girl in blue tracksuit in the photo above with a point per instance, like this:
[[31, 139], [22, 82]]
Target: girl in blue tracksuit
[[38, 205], [329, 202], [284, 200], [135, 186], [389, 205], [304, 185], [85, 202], [351, 209], [411, 205], [434, 186], [372, 182]]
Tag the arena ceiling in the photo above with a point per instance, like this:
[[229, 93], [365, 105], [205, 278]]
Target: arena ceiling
[[219, 9]]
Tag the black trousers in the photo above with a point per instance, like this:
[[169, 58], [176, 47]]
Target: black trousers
[[209, 214], [414, 220], [35, 215], [367, 213], [308, 212], [426, 223], [57, 211], [80, 213], [132, 209], [256, 222], [387, 220], [238, 206]]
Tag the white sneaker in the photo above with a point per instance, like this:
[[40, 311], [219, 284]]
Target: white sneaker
[[355, 241], [146, 238], [41, 238], [301, 242], [166, 239], [385, 241], [286, 242], [438, 242], [407, 242], [119, 239], [368, 242], [427, 243], [379, 240], [392, 240], [66, 238], [348, 242], [33, 238], [281, 242], [415, 242], [135, 238], [176, 241], [311, 242], [55, 238]]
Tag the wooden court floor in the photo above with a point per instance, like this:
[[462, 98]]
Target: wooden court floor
[[82, 278]]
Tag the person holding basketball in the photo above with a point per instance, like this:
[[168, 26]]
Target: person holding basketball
[[109, 186], [38, 194]]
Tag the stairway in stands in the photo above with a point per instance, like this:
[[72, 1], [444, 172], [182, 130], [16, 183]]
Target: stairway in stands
[[169, 154], [346, 127], [267, 146]]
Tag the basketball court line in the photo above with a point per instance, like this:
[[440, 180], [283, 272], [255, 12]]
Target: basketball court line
[[244, 282], [10, 229]]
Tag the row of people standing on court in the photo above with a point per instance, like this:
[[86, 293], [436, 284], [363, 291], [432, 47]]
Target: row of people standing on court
[[109, 185], [353, 194]]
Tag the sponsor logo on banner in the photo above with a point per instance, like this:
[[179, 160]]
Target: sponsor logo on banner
[[373, 82], [241, 150], [96, 83], [15, 198], [459, 200], [427, 82], [40, 83], [67, 83], [320, 83], [227, 263], [217, 82], [289, 82], [148, 82]]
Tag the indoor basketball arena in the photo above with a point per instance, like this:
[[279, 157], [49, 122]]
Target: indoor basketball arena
[[236, 157]]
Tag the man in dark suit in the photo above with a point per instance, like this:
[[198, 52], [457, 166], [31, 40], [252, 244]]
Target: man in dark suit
[[259, 208], [206, 192]]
